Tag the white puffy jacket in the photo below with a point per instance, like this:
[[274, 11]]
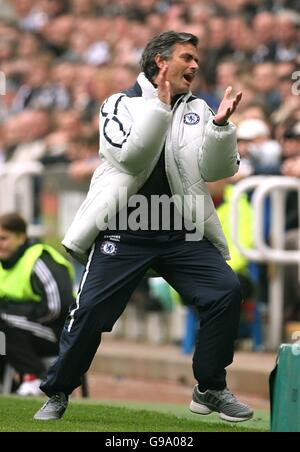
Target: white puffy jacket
[[133, 132]]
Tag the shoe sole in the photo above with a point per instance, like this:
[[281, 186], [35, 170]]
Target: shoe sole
[[36, 418], [235, 419], [199, 408], [45, 417]]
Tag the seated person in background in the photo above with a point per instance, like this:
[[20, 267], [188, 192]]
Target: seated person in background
[[87, 159], [291, 167], [291, 151], [222, 193], [36, 290]]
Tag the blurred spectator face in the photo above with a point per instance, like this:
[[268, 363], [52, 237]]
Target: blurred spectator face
[[286, 31], [90, 28], [23, 7], [6, 50], [254, 112], [218, 32], [264, 77], [56, 142], [82, 7], [147, 4], [124, 53], [9, 243], [74, 150], [38, 75], [139, 35], [244, 84], [243, 148], [69, 122], [202, 33], [174, 12], [296, 114], [285, 87], [86, 73], [8, 99], [33, 125], [155, 23], [52, 7], [101, 85], [79, 43], [291, 167], [231, 6], [291, 142], [118, 26], [237, 28], [123, 78], [285, 69], [226, 74], [12, 134], [9, 32], [175, 23], [200, 12], [57, 31], [245, 40], [264, 25], [29, 45], [64, 74]]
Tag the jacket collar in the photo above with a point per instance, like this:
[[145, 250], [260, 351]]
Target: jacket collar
[[148, 89], [12, 261]]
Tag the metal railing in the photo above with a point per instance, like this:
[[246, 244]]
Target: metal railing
[[59, 197], [275, 189], [17, 193], [25, 187]]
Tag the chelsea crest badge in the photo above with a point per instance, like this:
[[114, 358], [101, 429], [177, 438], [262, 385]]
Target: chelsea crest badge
[[191, 119], [109, 248]]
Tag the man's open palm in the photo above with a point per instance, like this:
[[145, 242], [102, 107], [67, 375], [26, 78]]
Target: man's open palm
[[227, 106]]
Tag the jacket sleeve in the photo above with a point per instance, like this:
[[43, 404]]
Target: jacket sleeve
[[53, 283], [219, 156], [131, 143]]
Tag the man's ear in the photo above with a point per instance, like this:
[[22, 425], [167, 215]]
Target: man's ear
[[160, 61]]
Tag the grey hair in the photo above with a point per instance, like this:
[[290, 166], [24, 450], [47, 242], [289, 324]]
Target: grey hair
[[163, 45]]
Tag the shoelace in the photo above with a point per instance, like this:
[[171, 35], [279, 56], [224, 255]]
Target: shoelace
[[55, 401], [227, 396]]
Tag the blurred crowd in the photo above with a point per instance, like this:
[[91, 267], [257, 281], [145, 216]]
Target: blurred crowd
[[61, 59]]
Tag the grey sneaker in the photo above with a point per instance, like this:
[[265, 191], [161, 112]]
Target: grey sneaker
[[53, 409], [223, 402]]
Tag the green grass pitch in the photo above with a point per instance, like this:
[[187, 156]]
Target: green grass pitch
[[16, 415]]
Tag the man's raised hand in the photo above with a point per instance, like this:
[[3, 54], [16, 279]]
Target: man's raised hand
[[163, 86], [227, 107]]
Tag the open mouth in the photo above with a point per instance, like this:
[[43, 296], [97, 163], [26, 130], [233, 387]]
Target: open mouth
[[188, 77]]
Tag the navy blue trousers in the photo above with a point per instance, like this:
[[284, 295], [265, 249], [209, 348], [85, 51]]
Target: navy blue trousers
[[195, 269]]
